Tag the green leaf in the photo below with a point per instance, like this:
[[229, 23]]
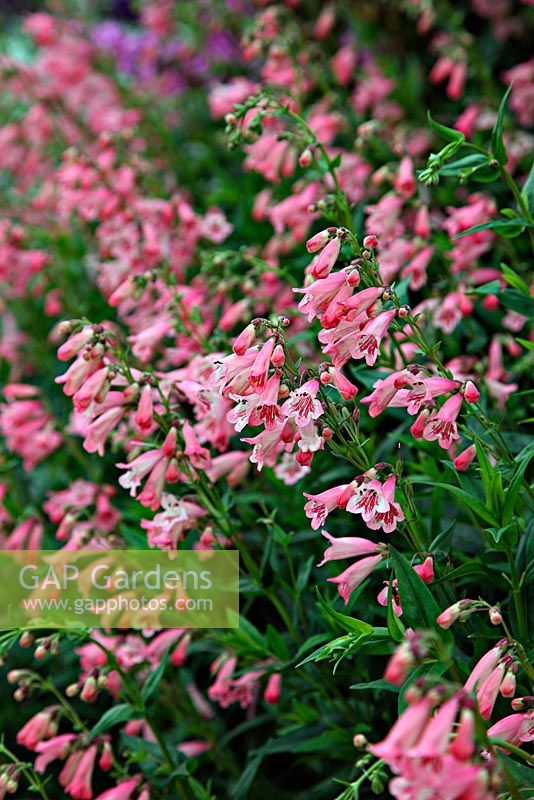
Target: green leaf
[[449, 134], [527, 344], [528, 191], [150, 690], [497, 143], [517, 301], [419, 608], [114, 716], [395, 626], [493, 287], [491, 480], [468, 500], [503, 226], [343, 621], [513, 279], [277, 644], [463, 165], [381, 685], [514, 489]]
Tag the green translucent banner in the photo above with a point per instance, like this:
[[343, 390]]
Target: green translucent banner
[[119, 589]]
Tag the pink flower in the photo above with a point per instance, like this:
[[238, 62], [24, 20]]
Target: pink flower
[[323, 263], [435, 739], [404, 733], [267, 411], [319, 240], [346, 547], [122, 791], [144, 415], [366, 343], [471, 392], [487, 691], [302, 404], [346, 389], [405, 182], [385, 390], [41, 726], [465, 458], [93, 389], [484, 667], [320, 505], [267, 446], [244, 340], [273, 689], [386, 517], [199, 457], [49, 751], [515, 728], [258, 374], [77, 774], [351, 578], [442, 427], [319, 295]]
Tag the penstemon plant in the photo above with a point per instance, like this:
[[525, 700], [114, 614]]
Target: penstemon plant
[[255, 297]]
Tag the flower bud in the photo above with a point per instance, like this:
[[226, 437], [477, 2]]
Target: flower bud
[[370, 242], [320, 240], [495, 615], [471, 392], [278, 357], [306, 157]]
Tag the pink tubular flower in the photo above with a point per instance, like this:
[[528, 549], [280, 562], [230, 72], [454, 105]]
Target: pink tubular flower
[[302, 404], [384, 391], [405, 182], [387, 517], [122, 791], [435, 739], [144, 415], [485, 666], [199, 457], [77, 774], [367, 343], [57, 747], [361, 302], [471, 392], [487, 691], [404, 733], [376, 504], [442, 427], [267, 446], [351, 578], [320, 294], [323, 263], [465, 458], [266, 410], [346, 389], [27, 535], [93, 389], [258, 374], [320, 505], [273, 689], [515, 728], [320, 240], [244, 340], [41, 726], [346, 547], [461, 609], [422, 390]]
